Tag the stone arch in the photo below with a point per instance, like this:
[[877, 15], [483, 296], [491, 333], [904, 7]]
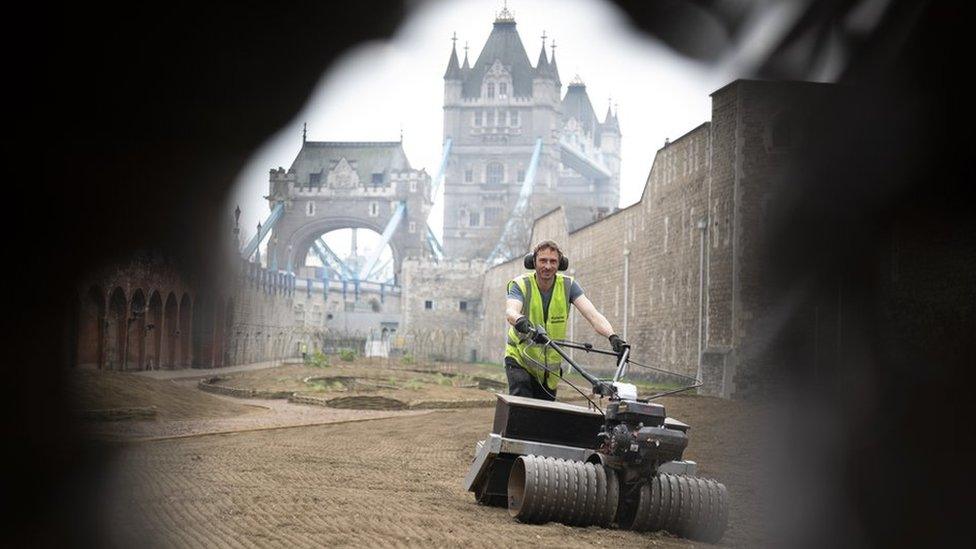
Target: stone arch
[[115, 329], [203, 332], [91, 329], [183, 333], [170, 332], [135, 342], [154, 331]]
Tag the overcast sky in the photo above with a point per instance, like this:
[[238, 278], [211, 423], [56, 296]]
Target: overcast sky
[[380, 87]]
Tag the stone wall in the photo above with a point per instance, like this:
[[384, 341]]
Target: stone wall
[[644, 266], [144, 314], [442, 307]]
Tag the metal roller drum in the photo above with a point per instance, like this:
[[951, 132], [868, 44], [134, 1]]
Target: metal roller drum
[[572, 492], [690, 507]]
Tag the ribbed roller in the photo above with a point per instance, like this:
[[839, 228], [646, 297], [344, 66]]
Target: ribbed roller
[[691, 507], [572, 492]]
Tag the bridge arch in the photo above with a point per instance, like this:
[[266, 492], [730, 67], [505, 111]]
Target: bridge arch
[[302, 239]]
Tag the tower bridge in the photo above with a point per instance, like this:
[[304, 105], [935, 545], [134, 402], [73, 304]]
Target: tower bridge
[[339, 185]]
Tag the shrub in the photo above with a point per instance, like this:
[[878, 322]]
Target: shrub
[[347, 355], [408, 359], [414, 385], [316, 359]]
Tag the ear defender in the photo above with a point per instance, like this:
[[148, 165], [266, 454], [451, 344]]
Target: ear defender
[[529, 262]]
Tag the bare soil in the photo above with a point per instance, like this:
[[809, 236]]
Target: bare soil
[[104, 390], [394, 482], [378, 384]]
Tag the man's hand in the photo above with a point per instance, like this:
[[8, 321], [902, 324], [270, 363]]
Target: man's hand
[[522, 325], [617, 344], [540, 335]]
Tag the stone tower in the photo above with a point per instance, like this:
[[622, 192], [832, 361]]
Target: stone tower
[[494, 112]]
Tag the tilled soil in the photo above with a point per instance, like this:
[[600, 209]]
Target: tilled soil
[[171, 400], [384, 483], [375, 385]]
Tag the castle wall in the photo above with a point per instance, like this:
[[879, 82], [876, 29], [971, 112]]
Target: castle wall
[[642, 266], [143, 314], [442, 305]]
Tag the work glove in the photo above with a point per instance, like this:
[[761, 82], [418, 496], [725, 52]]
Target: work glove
[[540, 335], [617, 344], [523, 326]]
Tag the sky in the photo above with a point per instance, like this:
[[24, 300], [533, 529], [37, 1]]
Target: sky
[[378, 89]]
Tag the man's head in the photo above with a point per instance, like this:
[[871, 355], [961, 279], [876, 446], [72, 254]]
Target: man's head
[[547, 259]]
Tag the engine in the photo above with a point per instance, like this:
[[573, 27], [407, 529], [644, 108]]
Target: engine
[[636, 433]]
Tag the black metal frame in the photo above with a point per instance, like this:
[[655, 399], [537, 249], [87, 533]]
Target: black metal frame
[[601, 387]]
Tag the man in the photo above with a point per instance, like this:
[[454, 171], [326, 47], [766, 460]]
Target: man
[[542, 298]]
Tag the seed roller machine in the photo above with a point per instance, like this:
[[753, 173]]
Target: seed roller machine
[[620, 466]]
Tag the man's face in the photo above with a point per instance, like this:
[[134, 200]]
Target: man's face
[[546, 263]]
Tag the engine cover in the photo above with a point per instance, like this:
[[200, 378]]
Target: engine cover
[[633, 412]]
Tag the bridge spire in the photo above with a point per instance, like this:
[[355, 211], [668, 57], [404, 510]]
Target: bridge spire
[[304, 131], [453, 71]]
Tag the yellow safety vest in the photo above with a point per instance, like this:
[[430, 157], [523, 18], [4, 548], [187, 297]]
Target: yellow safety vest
[[555, 325]]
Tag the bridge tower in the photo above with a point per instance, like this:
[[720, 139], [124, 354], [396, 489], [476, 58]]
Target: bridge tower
[[338, 185], [495, 112]]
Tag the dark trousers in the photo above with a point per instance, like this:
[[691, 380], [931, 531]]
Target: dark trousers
[[522, 383]]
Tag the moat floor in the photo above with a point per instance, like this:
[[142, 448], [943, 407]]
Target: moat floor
[[373, 478]]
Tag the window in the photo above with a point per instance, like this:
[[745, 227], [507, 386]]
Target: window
[[463, 217], [468, 175], [508, 118], [484, 118], [429, 305], [374, 209], [495, 121], [521, 176], [515, 119], [413, 186], [502, 90], [377, 179], [413, 227], [299, 314], [495, 173], [490, 88], [310, 208], [474, 219], [491, 216], [315, 179], [463, 306], [477, 118], [393, 207]]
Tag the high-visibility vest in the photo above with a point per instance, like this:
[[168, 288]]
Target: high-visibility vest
[[532, 357]]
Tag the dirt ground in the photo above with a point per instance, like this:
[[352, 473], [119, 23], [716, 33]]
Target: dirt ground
[[94, 390], [378, 384], [393, 482]]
